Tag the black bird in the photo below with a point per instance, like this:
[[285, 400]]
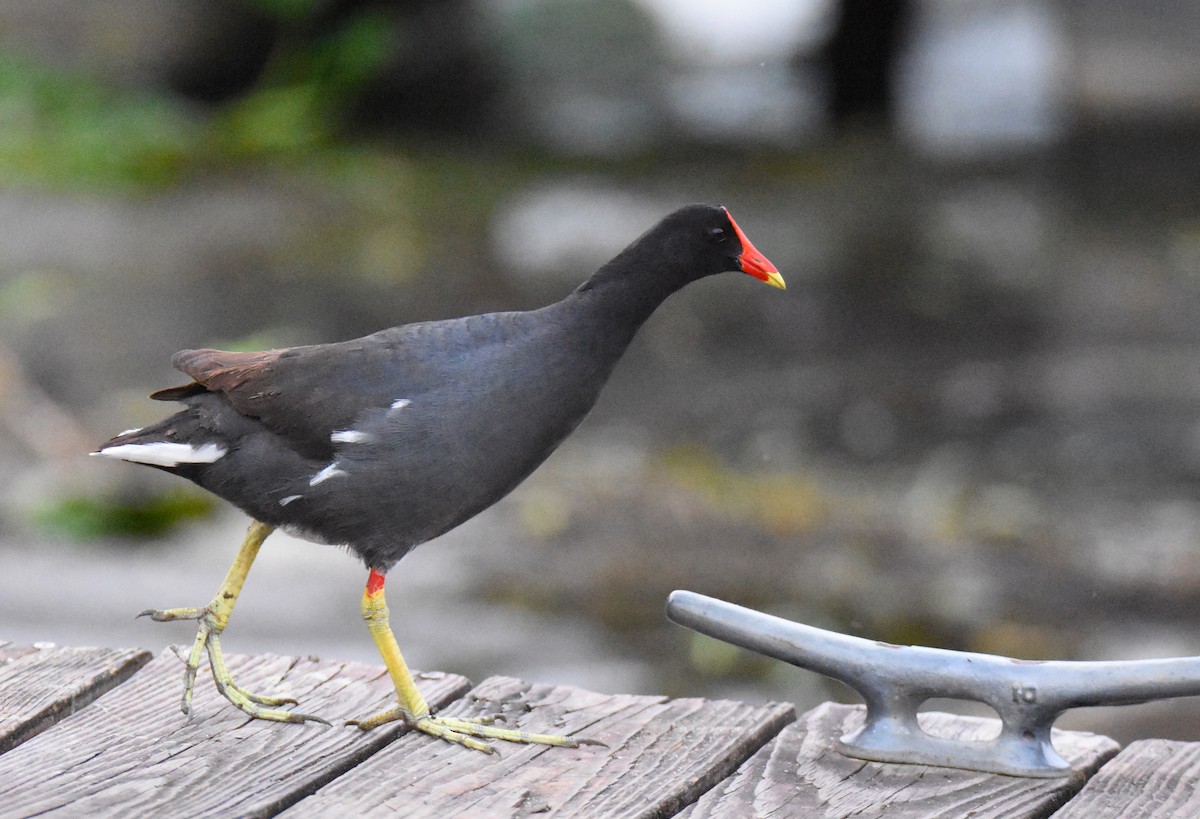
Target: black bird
[[387, 441]]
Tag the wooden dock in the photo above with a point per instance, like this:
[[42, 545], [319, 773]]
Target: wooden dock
[[98, 732]]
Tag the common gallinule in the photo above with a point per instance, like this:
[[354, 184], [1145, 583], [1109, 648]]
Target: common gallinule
[[387, 441]]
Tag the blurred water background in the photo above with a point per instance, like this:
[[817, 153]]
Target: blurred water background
[[971, 421]]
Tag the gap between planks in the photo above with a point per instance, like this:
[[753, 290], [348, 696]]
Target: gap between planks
[[659, 756], [801, 773], [44, 684], [132, 752]]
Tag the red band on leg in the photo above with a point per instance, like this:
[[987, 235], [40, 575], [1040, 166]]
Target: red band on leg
[[374, 583]]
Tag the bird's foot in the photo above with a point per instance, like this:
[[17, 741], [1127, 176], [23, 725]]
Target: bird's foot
[[470, 732], [208, 643]]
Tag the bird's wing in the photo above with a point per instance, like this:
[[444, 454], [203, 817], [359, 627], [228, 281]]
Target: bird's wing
[[218, 371], [302, 394], [305, 394]]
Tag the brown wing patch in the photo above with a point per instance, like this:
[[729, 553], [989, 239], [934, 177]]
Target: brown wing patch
[[271, 387], [222, 371]]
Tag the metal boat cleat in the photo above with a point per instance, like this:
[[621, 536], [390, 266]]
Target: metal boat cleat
[[895, 680]]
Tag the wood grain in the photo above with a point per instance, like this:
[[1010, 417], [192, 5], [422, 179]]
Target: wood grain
[[10, 651], [134, 754], [1156, 778], [660, 756], [801, 773], [40, 686]]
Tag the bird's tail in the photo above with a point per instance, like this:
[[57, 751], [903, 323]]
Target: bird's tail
[[165, 444]]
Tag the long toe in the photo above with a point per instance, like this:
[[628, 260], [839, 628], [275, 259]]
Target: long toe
[[483, 727], [396, 714], [472, 733], [469, 732], [260, 699], [250, 704], [208, 643], [167, 615]]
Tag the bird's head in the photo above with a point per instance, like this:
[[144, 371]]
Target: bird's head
[[707, 240], [749, 260], [689, 244]]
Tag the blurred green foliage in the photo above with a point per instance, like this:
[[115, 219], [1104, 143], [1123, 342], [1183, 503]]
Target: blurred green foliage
[[710, 657], [62, 129], [67, 129], [786, 503], [33, 296], [285, 9], [83, 518], [306, 88]]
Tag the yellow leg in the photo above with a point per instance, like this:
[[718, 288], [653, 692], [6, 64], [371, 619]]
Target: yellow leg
[[213, 618], [412, 707]]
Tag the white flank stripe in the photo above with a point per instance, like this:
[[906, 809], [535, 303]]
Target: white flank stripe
[[400, 403], [288, 499], [325, 474], [350, 436], [162, 453]]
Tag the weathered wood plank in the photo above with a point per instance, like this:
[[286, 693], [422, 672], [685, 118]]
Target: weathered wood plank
[[40, 686], [801, 773], [10, 651], [661, 755], [1150, 778], [135, 754]]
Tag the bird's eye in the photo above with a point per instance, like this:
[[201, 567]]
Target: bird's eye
[[716, 235]]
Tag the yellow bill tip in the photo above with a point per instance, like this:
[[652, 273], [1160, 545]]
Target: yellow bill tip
[[775, 280]]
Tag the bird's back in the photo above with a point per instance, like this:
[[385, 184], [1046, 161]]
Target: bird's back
[[387, 441]]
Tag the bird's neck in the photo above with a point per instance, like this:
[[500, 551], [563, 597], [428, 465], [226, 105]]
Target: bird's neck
[[620, 296]]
